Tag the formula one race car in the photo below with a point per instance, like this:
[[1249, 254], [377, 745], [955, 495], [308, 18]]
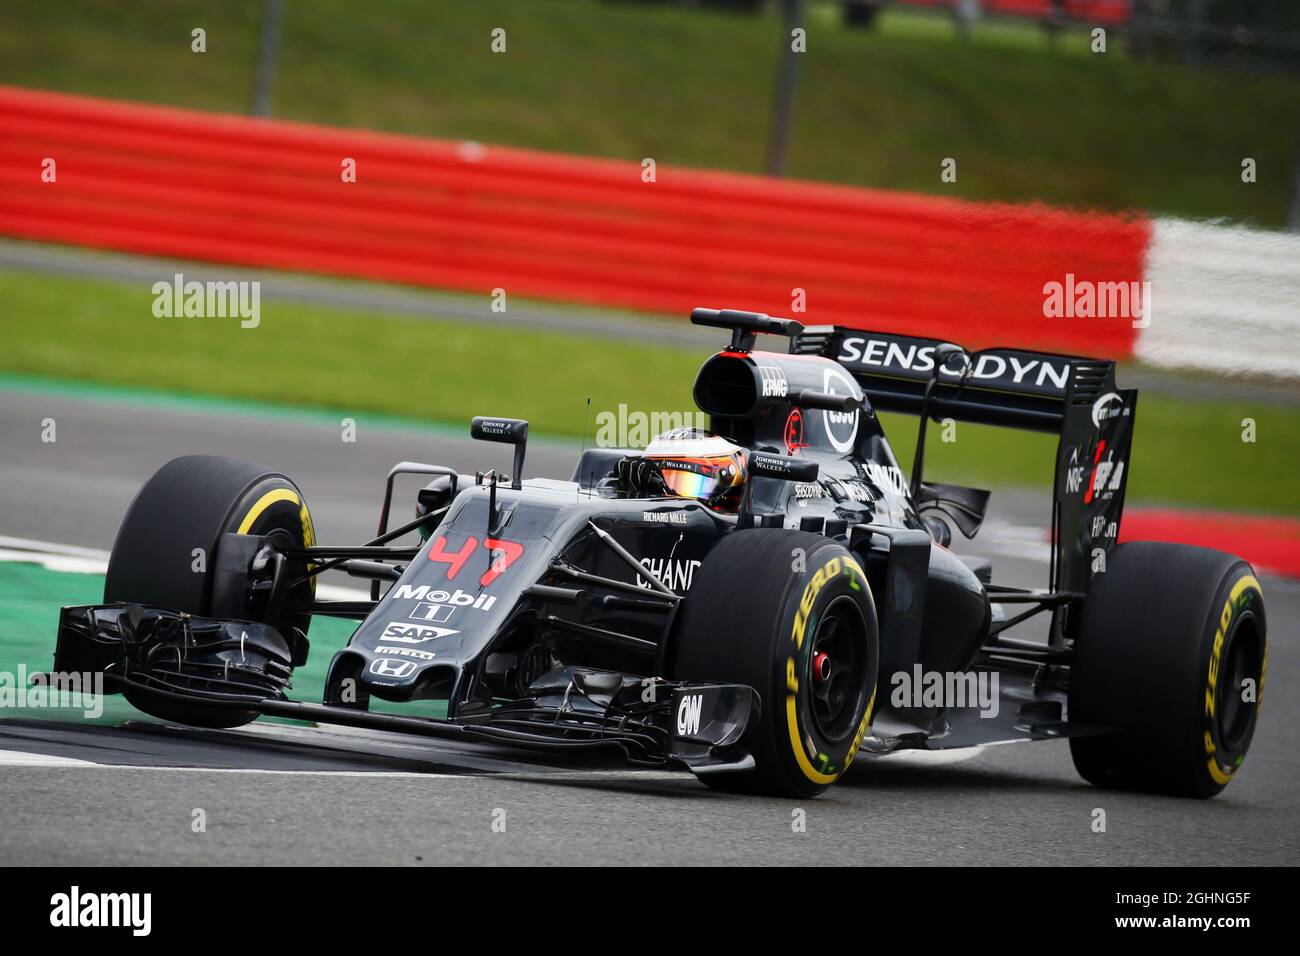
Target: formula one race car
[[741, 604]]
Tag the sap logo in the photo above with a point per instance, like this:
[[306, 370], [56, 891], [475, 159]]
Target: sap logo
[[394, 669], [774, 381], [457, 598], [406, 652], [440, 613], [688, 714], [404, 633], [676, 573]]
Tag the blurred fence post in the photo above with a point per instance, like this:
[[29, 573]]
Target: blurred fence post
[[1198, 12], [1293, 214], [783, 106], [268, 46]]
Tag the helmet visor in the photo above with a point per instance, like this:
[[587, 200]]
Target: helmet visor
[[689, 484]]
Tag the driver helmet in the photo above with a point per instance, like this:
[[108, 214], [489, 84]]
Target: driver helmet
[[696, 464]]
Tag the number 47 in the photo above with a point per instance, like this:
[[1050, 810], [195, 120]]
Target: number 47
[[501, 554]]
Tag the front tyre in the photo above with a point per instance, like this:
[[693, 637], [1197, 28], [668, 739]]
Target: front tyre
[[166, 552], [790, 614], [1172, 652]]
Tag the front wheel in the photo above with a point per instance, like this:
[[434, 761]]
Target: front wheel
[[167, 550], [1172, 654], [790, 614]]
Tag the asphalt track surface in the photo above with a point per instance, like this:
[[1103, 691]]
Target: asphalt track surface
[[74, 793]]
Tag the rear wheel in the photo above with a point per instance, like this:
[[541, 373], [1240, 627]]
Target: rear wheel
[[1172, 652], [167, 548], [790, 614]]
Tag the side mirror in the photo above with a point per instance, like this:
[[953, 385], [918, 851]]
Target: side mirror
[[764, 464], [509, 431], [767, 465]]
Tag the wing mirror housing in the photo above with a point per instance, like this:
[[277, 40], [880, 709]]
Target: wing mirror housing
[[767, 465], [508, 431], [763, 464]]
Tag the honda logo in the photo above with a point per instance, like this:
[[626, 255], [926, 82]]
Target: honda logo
[[394, 669]]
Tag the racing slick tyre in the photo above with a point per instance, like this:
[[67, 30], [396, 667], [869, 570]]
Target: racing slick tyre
[[1172, 652], [166, 550], [790, 614]]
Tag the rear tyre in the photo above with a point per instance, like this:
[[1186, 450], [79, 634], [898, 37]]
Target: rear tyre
[[166, 551], [1172, 652], [790, 614]]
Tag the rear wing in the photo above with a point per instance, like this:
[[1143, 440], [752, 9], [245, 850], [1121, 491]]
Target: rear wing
[[1012, 387], [1075, 398]]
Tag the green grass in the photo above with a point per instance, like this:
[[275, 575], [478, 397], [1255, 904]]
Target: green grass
[[98, 331], [1186, 452], [30, 598], [882, 108]]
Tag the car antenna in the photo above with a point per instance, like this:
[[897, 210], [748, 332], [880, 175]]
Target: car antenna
[[586, 418]]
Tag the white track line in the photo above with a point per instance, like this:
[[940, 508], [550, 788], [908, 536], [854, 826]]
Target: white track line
[[20, 758], [49, 547], [62, 563]]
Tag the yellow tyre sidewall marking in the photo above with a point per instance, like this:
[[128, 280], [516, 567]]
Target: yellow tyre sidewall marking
[[264, 502], [274, 497], [1226, 617], [811, 772], [821, 577], [308, 541]]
